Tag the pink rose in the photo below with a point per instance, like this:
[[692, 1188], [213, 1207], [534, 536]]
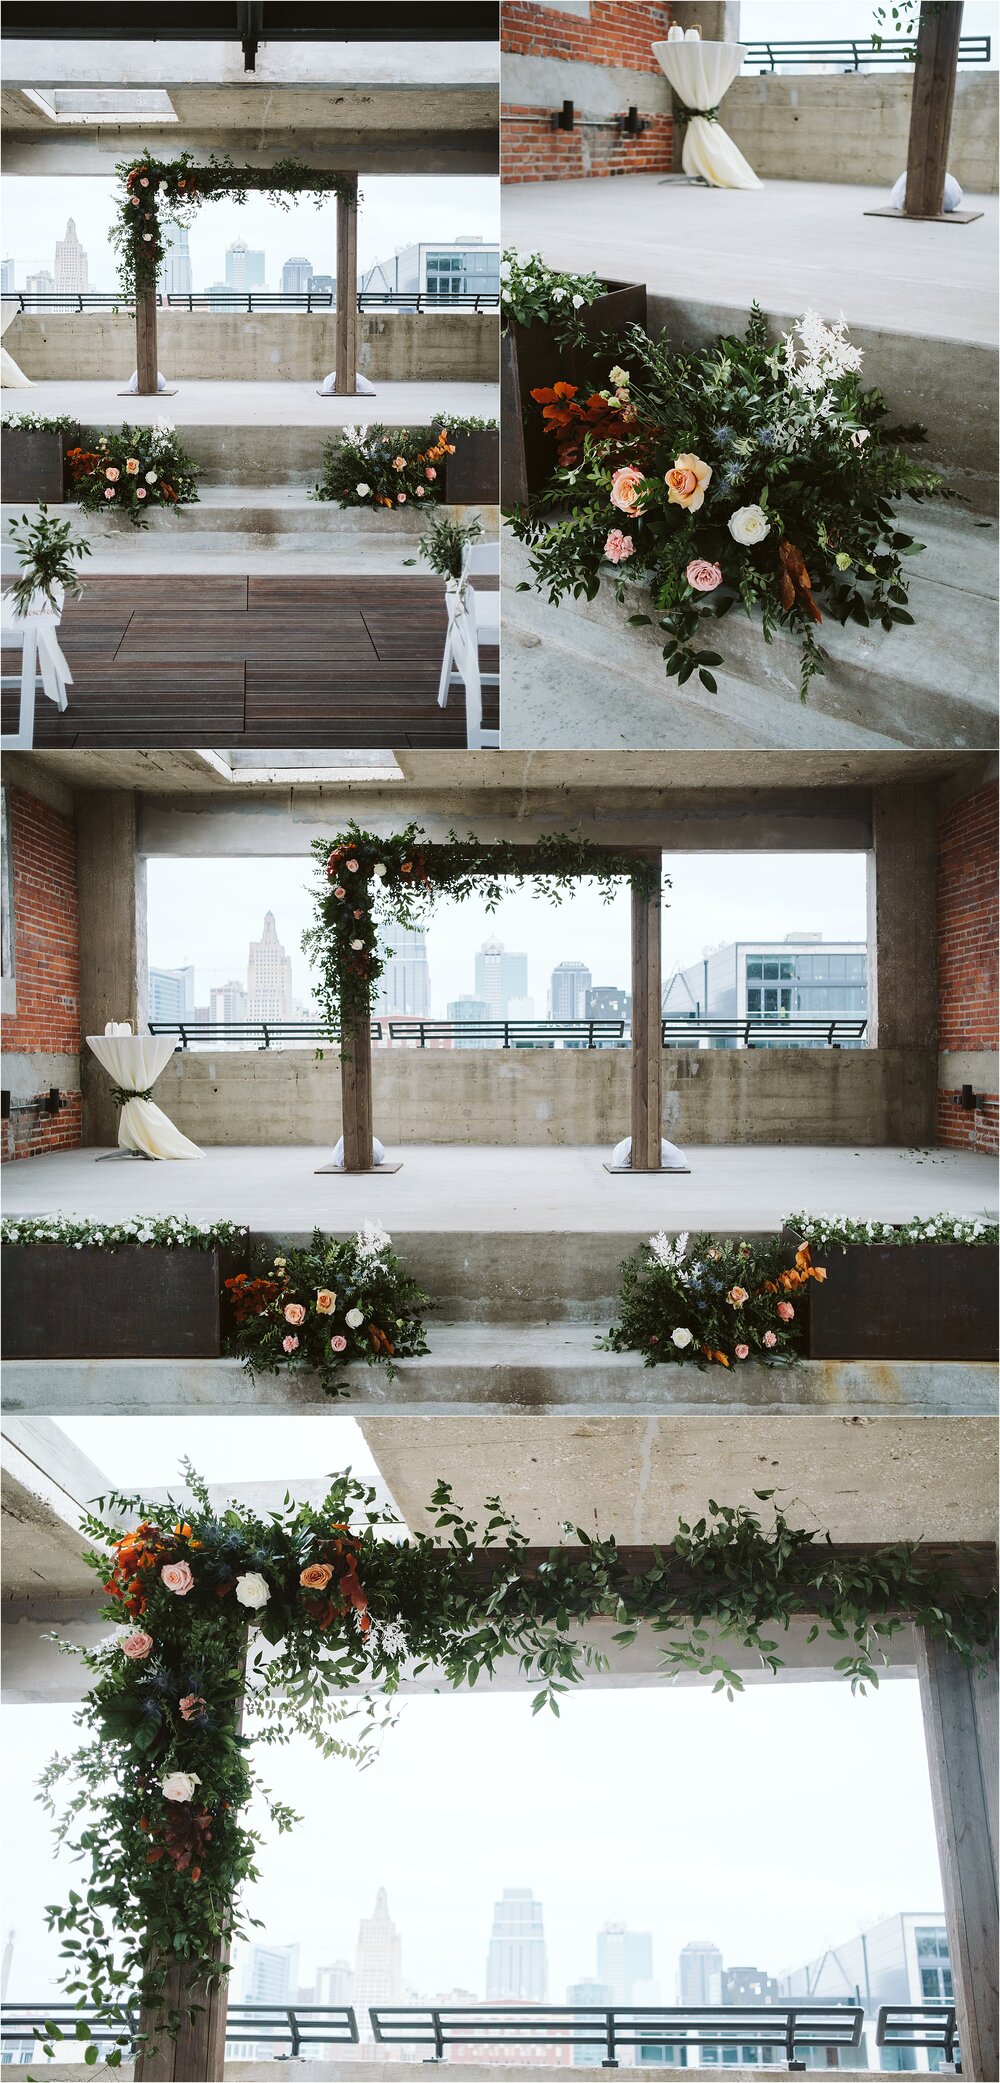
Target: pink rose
[[140, 491], [294, 1313], [289, 1345], [112, 475], [624, 488], [352, 867], [177, 1577], [743, 1352], [136, 1647], [786, 1312], [190, 1705], [143, 182], [618, 546], [400, 498], [338, 1345], [702, 576], [339, 892], [420, 491], [430, 475], [110, 493], [770, 1339]]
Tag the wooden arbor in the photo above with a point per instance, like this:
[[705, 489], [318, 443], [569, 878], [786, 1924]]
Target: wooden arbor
[[647, 1052], [346, 315], [959, 1708], [935, 72]]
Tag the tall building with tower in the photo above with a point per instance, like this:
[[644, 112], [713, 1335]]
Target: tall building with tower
[[269, 976], [378, 1962], [568, 990], [500, 976], [71, 261], [517, 1963]]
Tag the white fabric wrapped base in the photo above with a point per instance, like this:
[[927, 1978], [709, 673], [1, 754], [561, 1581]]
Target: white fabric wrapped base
[[700, 73], [135, 1061], [952, 193], [712, 155], [378, 1154], [362, 387], [133, 382], [145, 1127], [671, 1159]]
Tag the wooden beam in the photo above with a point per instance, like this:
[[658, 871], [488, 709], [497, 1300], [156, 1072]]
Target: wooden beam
[[960, 1725], [145, 340], [647, 1027], [356, 1092], [199, 2049], [973, 1562], [934, 74], [347, 292]]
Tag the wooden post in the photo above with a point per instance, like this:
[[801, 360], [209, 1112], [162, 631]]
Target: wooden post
[[934, 74], [199, 2049], [960, 1725], [647, 1027], [356, 1091], [347, 293], [145, 339]]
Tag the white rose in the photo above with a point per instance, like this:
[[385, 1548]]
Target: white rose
[[749, 524], [379, 868], [362, 491], [354, 1319], [682, 1338], [577, 301], [150, 477], [252, 1590], [357, 945], [179, 1786]]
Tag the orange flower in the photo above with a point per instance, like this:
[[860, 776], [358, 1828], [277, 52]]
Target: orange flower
[[316, 1576]]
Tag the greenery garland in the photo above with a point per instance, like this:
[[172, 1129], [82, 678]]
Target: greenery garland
[[824, 1230], [340, 1300], [156, 192], [367, 884], [91, 1231], [714, 1300], [154, 1801]]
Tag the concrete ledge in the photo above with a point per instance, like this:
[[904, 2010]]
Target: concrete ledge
[[347, 2071], [258, 346], [512, 1370], [855, 125]]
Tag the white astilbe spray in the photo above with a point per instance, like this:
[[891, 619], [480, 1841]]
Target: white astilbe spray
[[387, 1638], [669, 1252], [817, 355], [371, 1240]]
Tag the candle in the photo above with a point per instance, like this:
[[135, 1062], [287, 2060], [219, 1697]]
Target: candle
[[675, 33], [692, 35]]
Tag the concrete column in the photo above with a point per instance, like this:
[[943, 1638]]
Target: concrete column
[[718, 20], [111, 878], [960, 1724], [902, 945]]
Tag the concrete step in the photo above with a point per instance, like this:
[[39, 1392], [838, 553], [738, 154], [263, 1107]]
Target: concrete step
[[512, 1369], [930, 684]]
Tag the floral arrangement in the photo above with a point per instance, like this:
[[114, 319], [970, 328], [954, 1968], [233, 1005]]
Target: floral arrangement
[[824, 1230], [384, 467], [746, 474], [321, 1308], [713, 1300], [367, 884], [90, 1232], [183, 1693], [466, 423], [532, 293], [133, 469], [155, 192], [46, 550], [40, 423], [444, 545]]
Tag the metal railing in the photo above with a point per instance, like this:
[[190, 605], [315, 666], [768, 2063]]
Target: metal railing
[[263, 1034], [678, 1030], [683, 1032], [511, 1034], [850, 53], [918, 2025], [788, 2029], [256, 300], [263, 2024]]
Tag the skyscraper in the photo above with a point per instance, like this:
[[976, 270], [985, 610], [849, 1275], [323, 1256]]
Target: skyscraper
[[517, 1964], [296, 275], [42, 284], [699, 1973], [568, 991], [175, 278], [228, 1001], [378, 1962], [71, 261], [335, 1984], [269, 976], [171, 993], [405, 984], [623, 1959], [272, 1974], [6, 276], [244, 266], [500, 976]]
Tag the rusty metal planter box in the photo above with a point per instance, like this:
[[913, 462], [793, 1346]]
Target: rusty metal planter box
[[139, 1302], [530, 356], [31, 467], [905, 1302], [472, 474]]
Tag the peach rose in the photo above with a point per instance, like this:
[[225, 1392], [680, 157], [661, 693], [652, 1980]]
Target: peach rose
[[338, 1345], [742, 1352], [702, 576], [786, 1312], [132, 466], [687, 482], [737, 1296], [326, 1301], [290, 1345], [316, 1576], [190, 1705], [294, 1313], [112, 474], [177, 1577], [137, 1647], [624, 489], [618, 547]]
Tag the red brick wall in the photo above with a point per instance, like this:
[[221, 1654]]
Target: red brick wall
[[618, 32], [967, 955], [46, 964]]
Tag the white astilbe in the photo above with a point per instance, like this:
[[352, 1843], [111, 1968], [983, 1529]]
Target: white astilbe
[[817, 355], [669, 1252], [385, 1637], [371, 1240]]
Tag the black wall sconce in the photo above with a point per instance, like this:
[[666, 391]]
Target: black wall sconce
[[970, 1101], [632, 125], [4, 1106], [53, 1102], [562, 118]]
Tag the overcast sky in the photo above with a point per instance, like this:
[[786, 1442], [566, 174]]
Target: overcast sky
[[394, 212], [840, 18], [206, 912], [775, 1826]]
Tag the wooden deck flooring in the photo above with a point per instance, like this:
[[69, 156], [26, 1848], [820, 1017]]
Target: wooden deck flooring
[[272, 661]]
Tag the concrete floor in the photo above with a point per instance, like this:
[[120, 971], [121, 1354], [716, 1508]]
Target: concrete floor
[[488, 1188], [787, 245], [98, 404]]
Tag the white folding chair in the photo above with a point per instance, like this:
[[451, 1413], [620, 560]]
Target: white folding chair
[[473, 619], [42, 662]]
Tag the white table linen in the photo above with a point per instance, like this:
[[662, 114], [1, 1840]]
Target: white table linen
[[700, 74], [135, 1061], [34, 634]]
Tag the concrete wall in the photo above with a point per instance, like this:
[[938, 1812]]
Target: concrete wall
[[539, 1096], [258, 347], [853, 127]]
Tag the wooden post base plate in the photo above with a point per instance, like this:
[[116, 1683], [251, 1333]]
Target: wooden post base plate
[[940, 217], [364, 1171], [662, 1171], [147, 394]]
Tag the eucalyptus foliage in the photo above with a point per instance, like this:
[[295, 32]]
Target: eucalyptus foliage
[[46, 550]]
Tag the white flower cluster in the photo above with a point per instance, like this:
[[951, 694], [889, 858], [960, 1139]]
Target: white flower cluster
[[816, 355], [386, 1637], [669, 1253], [927, 1229], [533, 290], [77, 1231], [371, 1240]]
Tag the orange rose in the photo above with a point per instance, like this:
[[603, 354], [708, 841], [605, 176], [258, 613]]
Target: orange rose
[[688, 482], [326, 1301], [316, 1576]]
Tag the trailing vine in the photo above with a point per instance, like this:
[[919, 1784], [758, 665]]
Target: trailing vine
[[154, 1801], [156, 192], [367, 884]]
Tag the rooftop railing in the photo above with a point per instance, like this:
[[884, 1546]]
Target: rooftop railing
[[850, 53], [295, 2025], [681, 1032], [256, 300], [765, 1031], [928, 2025], [755, 2029]]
